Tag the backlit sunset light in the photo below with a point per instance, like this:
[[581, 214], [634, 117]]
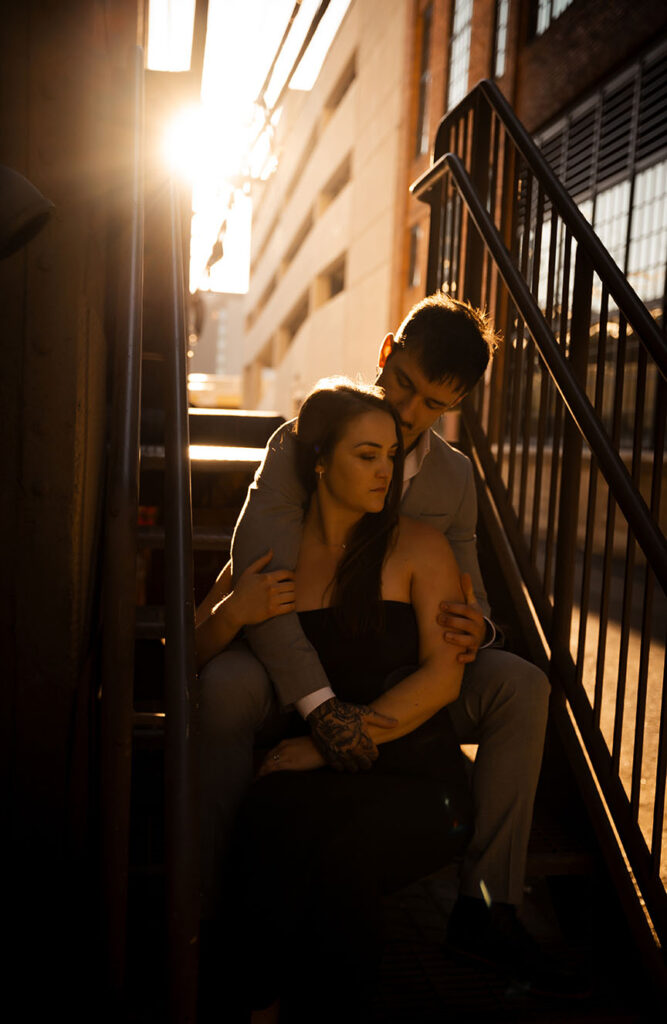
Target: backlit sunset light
[[224, 143]]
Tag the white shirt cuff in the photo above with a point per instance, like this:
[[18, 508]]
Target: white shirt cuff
[[494, 634], [313, 700]]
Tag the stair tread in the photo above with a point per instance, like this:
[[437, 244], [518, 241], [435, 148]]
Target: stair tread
[[211, 457], [204, 538]]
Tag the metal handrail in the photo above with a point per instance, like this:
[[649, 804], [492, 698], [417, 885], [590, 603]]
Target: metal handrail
[[626, 298], [180, 770], [119, 569], [631, 502]]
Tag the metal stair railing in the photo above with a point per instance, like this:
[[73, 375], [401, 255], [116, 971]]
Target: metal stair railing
[[181, 835], [568, 435], [118, 716]]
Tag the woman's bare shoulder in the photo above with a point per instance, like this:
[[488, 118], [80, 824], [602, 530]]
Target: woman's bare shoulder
[[420, 537], [427, 555]]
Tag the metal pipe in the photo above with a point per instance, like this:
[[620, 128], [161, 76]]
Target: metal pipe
[[182, 847], [119, 572]]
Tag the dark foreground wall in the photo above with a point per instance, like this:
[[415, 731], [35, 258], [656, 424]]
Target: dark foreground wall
[[64, 117]]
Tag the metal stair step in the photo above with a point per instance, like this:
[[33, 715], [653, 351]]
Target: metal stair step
[[204, 538], [149, 622], [209, 458], [232, 427]]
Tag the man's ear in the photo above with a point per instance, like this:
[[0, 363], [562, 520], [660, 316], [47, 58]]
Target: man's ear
[[386, 349]]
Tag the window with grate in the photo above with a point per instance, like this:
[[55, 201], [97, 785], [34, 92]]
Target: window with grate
[[500, 37], [546, 11], [611, 154], [414, 271], [459, 52], [422, 132]]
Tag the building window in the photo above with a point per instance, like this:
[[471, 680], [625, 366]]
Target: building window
[[500, 40], [547, 11], [459, 52], [336, 183], [342, 85], [414, 270], [330, 282], [296, 319], [299, 238], [422, 133]]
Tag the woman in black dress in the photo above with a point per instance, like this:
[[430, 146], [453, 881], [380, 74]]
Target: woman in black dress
[[316, 849]]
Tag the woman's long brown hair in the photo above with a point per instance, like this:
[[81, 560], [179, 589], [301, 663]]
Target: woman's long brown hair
[[322, 421]]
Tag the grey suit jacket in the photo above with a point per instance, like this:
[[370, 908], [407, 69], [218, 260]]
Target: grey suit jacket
[[442, 494]]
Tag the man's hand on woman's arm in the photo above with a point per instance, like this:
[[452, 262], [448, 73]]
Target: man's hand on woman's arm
[[464, 624]]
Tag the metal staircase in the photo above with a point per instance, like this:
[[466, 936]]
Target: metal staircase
[[568, 440]]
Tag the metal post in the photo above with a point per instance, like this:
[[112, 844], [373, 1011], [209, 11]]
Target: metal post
[[119, 571], [568, 507], [182, 846], [479, 174]]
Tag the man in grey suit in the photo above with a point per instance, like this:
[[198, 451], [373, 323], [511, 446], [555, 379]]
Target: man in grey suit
[[438, 354]]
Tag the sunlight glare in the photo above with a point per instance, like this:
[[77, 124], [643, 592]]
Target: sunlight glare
[[184, 142]]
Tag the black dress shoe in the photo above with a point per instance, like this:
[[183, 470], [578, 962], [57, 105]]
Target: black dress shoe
[[496, 937]]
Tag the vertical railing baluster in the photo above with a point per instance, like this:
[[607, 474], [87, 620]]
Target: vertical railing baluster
[[660, 781], [592, 494], [611, 520], [479, 173], [554, 487], [435, 239], [526, 352], [647, 604], [568, 512], [539, 459]]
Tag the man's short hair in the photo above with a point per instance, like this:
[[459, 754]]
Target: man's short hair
[[452, 341]]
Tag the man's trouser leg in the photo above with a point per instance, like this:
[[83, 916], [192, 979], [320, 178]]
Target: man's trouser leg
[[503, 707], [238, 710]]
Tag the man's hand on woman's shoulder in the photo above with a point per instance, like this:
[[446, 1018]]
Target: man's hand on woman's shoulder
[[339, 732]]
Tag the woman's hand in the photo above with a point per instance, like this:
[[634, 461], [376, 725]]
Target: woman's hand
[[261, 595], [294, 755]]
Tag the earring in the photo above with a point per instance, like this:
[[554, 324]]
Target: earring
[[320, 473]]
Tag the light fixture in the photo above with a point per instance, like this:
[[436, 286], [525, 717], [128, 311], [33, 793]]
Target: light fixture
[[23, 211]]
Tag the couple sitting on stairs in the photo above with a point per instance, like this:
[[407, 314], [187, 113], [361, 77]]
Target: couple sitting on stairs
[[367, 659]]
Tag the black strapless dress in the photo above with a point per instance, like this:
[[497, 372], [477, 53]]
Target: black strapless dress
[[317, 850]]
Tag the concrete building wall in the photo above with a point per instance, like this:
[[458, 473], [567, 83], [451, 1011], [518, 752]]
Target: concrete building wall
[[218, 348], [323, 231]]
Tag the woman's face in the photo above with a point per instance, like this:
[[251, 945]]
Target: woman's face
[[361, 465]]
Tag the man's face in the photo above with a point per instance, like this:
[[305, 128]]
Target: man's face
[[418, 401]]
